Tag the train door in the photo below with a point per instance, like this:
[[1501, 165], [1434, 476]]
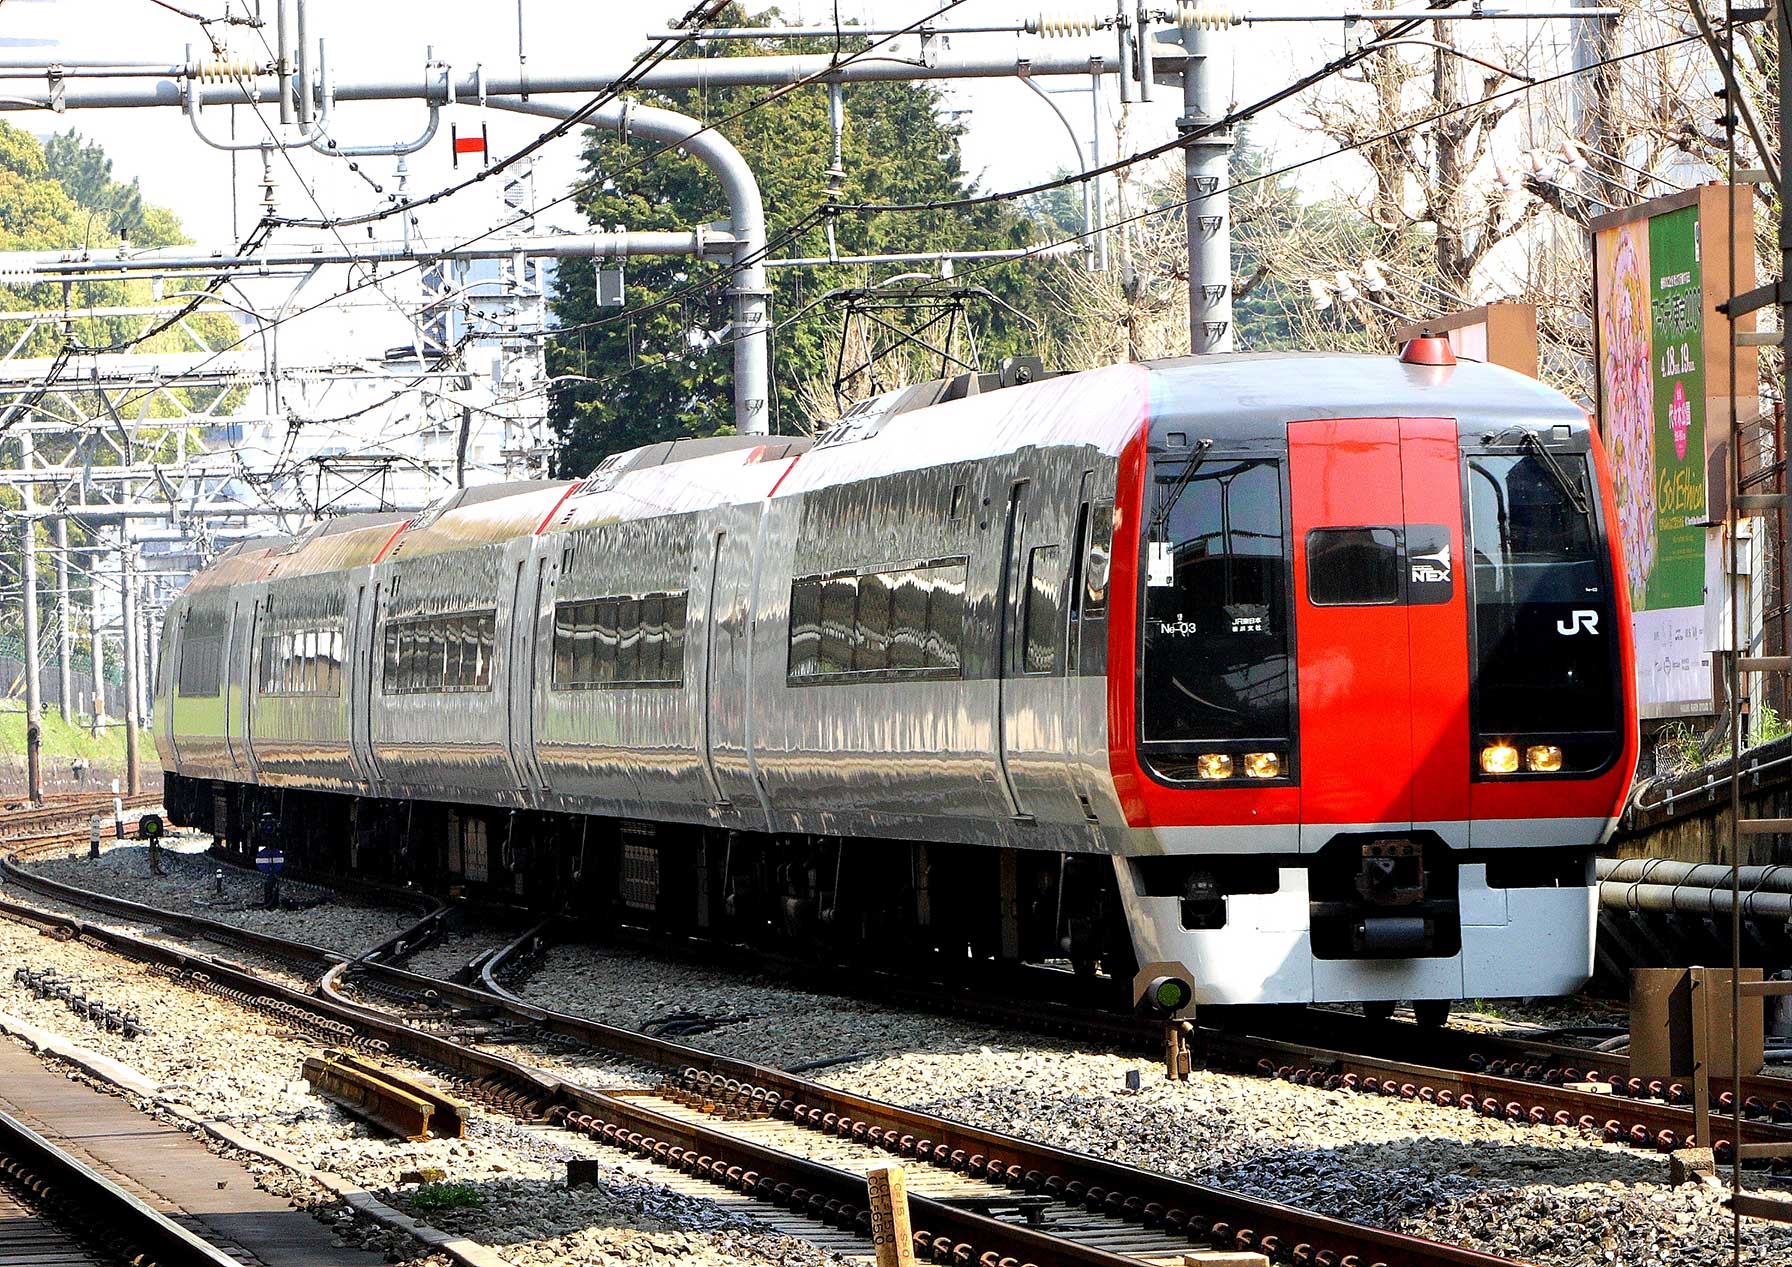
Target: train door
[[363, 631], [529, 597], [239, 687], [1085, 643], [1008, 598], [172, 631], [713, 608], [1381, 647]]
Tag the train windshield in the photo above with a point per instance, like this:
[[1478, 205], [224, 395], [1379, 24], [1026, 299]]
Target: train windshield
[[1543, 603], [1214, 662]]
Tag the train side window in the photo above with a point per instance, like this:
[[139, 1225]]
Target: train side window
[[1098, 558], [805, 626], [586, 636], [653, 639], [563, 644], [839, 599], [1039, 622], [389, 676], [488, 641], [908, 619], [1353, 567], [457, 674], [628, 640], [598, 619], [675, 622], [945, 615], [407, 656], [871, 631]]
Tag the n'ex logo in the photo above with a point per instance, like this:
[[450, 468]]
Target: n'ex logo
[[1433, 568], [1578, 622]]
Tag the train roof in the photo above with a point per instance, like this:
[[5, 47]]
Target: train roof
[[1244, 393]]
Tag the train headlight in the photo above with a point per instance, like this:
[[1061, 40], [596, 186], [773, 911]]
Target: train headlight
[[1262, 765], [1499, 758], [1214, 765], [1545, 758]]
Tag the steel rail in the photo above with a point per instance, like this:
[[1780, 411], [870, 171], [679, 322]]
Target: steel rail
[[1639, 1119], [1204, 1213], [76, 1195], [1531, 1059]]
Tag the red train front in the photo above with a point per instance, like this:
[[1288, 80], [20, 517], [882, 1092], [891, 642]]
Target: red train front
[[1373, 710]]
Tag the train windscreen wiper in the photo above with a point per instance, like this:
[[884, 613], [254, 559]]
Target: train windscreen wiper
[[1161, 515], [1531, 440]]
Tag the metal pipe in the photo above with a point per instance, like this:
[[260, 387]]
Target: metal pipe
[[929, 257], [303, 70], [96, 642], [65, 625], [447, 88], [828, 32], [282, 62], [1097, 158], [1691, 900], [128, 586], [23, 268], [1082, 162], [34, 707], [746, 212], [1699, 875]]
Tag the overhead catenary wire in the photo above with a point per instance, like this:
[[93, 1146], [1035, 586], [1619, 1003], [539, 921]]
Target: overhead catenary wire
[[583, 186], [661, 50], [1173, 207]]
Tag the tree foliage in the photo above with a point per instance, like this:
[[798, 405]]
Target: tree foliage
[[660, 369]]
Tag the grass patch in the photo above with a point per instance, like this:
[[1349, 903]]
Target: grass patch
[[446, 1196], [66, 740]]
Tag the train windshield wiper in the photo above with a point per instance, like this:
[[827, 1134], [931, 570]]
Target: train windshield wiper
[[1531, 440], [1161, 515]]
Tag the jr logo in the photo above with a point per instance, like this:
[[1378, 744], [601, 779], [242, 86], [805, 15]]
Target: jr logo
[[1578, 622]]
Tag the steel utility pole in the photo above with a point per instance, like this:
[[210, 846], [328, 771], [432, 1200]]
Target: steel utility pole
[[1206, 173], [128, 584], [65, 624], [34, 705], [97, 648]]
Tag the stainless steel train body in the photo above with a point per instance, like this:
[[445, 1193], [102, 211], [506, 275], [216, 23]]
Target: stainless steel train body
[[885, 685]]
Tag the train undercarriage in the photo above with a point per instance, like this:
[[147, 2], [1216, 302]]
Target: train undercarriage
[[883, 902]]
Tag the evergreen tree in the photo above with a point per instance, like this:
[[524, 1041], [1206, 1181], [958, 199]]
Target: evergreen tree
[[657, 372]]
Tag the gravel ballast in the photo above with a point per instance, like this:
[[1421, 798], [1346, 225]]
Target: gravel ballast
[[238, 1067], [1544, 1193]]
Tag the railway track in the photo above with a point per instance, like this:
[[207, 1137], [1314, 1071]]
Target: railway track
[[977, 1196], [64, 818], [1510, 1079], [56, 1211]]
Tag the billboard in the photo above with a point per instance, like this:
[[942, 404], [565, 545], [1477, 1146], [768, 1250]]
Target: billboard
[[1665, 409]]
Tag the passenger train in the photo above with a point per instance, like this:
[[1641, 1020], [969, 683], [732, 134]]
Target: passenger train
[[1242, 679]]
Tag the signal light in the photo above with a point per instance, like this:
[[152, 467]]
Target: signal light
[[1168, 995]]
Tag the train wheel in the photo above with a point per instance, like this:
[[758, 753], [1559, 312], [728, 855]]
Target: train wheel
[[1431, 1013], [1378, 1009]]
